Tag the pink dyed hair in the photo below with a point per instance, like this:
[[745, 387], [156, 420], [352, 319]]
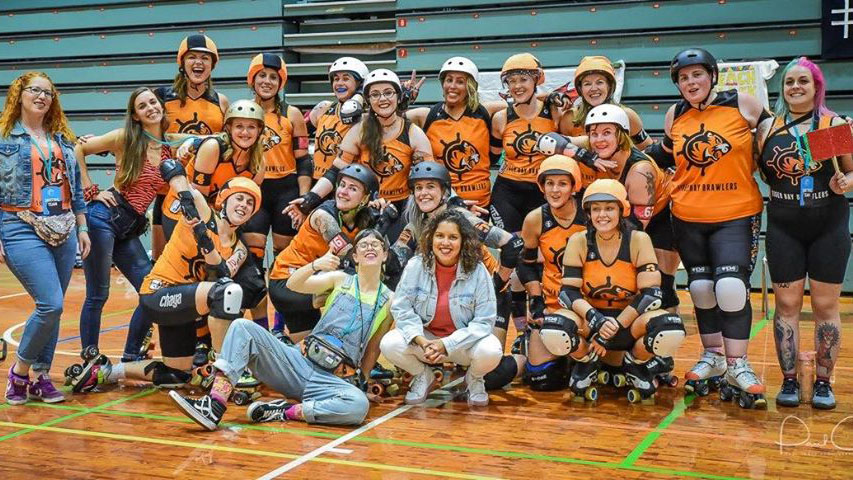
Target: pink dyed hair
[[819, 87]]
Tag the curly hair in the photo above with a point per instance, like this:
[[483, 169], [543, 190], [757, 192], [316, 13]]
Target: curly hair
[[54, 120], [471, 252], [133, 154]]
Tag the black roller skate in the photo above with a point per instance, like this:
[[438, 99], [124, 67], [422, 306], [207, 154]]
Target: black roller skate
[[92, 372], [611, 375], [3, 349], [147, 347], [661, 369], [247, 389], [643, 382], [583, 376], [707, 374], [743, 385], [203, 354], [165, 376]]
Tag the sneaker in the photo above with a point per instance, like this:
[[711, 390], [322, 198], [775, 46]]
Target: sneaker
[[381, 373], [16, 389], [42, 389], [273, 411], [204, 411], [202, 354], [477, 396], [823, 398], [420, 387], [789, 396]]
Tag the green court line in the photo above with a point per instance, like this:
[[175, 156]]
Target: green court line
[[403, 443], [679, 408], [78, 414]]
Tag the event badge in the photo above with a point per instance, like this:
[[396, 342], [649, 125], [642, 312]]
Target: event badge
[[51, 200], [806, 190]]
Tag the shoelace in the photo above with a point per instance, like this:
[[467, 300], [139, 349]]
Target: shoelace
[[203, 405], [789, 386], [822, 389]]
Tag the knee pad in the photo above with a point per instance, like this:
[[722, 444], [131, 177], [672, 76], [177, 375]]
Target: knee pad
[[503, 309], [519, 304], [667, 286], [664, 334], [225, 299], [549, 376], [503, 374], [251, 277], [701, 286], [559, 334], [731, 287]]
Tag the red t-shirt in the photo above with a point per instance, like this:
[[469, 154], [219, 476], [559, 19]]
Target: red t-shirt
[[442, 325]]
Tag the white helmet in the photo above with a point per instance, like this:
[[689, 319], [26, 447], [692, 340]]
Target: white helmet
[[382, 75], [460, 64], [351, 65], [608, 113]]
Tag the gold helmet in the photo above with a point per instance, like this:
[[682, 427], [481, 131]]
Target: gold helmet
[[560, 165], [197, 43], [523, 63], [596, 64], [245, 109], [267, 60], [607, 190]]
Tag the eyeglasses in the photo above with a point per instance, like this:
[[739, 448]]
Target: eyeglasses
[[389, 94], [36, 91], [362, 246]]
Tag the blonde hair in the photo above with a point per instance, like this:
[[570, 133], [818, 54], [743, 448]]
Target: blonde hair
[[54, 120], [256, 151]]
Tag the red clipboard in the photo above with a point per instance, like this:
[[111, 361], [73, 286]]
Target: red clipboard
[[830, 142]]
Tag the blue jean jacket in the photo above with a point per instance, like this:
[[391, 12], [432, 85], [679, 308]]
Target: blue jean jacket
[[16, 170], [472, 304]]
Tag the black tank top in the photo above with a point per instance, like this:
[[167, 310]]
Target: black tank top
[[782, 167]]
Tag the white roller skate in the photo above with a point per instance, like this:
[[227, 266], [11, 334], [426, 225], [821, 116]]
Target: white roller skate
[[706, 374], [741, 383]]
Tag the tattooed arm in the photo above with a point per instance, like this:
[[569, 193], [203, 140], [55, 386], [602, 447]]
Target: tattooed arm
[[328, 227], [421, 146], [235, 261], [640, 183]]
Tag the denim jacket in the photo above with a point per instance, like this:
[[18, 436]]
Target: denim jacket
[[472, 304], [16, 171]]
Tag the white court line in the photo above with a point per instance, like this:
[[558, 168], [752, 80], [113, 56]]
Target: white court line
[[433, 402], [345, 451], [7, 335], [12, 295]]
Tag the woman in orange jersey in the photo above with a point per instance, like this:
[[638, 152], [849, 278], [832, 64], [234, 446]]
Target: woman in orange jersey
[[611, 281], [716, 207], [332, 120], [383, 140], [595, 81], [192, 106]]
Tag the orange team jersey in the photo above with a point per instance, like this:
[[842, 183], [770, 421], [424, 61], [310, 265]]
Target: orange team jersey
[[224, 171], [463, 146], [662, 180], [330, 132], [56, 177], [277, 140], [489, 261], [182, 262], [308, 245], [521, 161], [393, 169], [552, 244], [713, 179], [609, 287]]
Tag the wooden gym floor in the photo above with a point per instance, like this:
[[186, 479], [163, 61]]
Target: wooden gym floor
[[134, 431]]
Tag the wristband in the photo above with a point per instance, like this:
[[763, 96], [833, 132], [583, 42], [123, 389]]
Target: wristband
[[82, 228]]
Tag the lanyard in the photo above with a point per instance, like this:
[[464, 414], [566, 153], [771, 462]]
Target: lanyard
[[350, 328], [46, 159], [164, 142], [802, 142]]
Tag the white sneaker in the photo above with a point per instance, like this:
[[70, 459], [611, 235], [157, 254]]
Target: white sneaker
[[477, 396], [420, 387]]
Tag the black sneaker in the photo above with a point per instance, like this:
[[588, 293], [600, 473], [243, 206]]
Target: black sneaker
[[273, 411], [789, 396], [823, 397], [202, 354], [204, 411]]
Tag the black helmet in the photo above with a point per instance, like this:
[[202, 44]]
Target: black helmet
[[694, 56], [362, 174], [429, 171]]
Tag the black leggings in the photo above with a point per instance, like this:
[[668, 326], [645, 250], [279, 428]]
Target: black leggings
[[512, 201], [173, 310], [296, 308], [276, 195]]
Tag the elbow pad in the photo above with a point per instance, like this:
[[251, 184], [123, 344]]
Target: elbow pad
[[661, 157], [171, 168], [526, 270], [552, 143], [351, 111], [647, 300], [305, 166], [640, 136], [332, 175], [510, 251], [568, 295]]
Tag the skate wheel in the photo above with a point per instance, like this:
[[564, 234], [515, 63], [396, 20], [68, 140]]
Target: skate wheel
[[591, 394], [746, 401], [376, 389], [703, 389], [439, 375], [406, 378], [603, 377], [89, 353], [672, 381], [392, 390], [73, 371], [726, 393], [241, 398], [634, 395], [620, 380]]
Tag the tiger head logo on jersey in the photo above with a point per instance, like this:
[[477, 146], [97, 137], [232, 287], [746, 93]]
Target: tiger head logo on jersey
[[194, 126], [704, 148], [609, 292], [269, 139], [328, 141], [389, 164], [786, 163], [195, 267], [460, 155], [557, 257], [524, 142], [54, 177]]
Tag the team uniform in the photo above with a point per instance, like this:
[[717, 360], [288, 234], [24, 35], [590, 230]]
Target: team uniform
[[659, 227], [812, 237], [462, 145], [552, 244], [330, 131]]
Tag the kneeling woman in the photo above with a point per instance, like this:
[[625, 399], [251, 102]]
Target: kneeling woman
[[445, 310], [354, 320], [611, 280], [178, 290]]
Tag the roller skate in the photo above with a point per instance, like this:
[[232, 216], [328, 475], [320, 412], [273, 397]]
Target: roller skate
[[3, 349], [823, 398], [146, 349], [202, 377], [92, 372], [273, 411], [203, 354], [582, 381], [383, 381], [706, 374], [204, 411], [643, 382], [611, 375], [246, 390], [789, 396], [165, 376], [661, 369], [742, 384]]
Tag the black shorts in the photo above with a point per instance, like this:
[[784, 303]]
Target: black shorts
[[813, 241], [157, 213], [173, 309], [660, 230], [276, 195], [296, 308], [512, 201], [733, 242]]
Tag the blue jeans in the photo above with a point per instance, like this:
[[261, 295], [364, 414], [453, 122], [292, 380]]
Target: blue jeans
[[131, 259], [325, 397], [44, 272]]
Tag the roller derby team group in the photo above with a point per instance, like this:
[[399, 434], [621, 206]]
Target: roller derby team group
[[391, 238]]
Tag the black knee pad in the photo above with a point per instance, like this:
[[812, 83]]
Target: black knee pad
[[664, 334], [519, 304], [549, 376], [504, 308], [225, 299], [737, 325], [503, 374], [251, 279], [667, 286]]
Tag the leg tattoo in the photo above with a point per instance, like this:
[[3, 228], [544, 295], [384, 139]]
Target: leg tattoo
[[828, 342], [786, 346]]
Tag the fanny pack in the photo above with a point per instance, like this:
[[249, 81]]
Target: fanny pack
[[53, 229], [126, 221], [327, 352]]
